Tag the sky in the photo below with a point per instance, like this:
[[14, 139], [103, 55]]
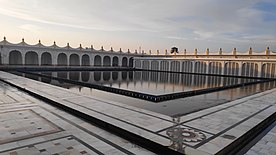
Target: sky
[[142, 24]]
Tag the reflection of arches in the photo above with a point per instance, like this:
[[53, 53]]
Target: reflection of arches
[[97, 60], [85, 60], [130, 62], [97, 76], [124, 75], [46, 59], [15, 58], [45, 79], [62, 59], [124, 62], [74, 76], [31, 58], [106, 61], [0, 59], [106, 76], [115, 61], [114, 76], [85, 76], [74, 60]]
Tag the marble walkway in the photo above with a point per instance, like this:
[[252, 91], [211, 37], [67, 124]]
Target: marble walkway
[[216, 130], [31, 127]]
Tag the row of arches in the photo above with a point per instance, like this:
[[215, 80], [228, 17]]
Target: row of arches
[[32, 58], [249, 69]]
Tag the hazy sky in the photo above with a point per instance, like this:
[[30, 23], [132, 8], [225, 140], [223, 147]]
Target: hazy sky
[[151, 24]]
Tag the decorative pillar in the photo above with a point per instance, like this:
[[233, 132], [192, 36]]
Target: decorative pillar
[[267, 52], [195, 52], [185, 52], [235, 52], [250, 51], [220, 51]]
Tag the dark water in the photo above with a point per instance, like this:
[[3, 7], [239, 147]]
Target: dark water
[[159, 83]]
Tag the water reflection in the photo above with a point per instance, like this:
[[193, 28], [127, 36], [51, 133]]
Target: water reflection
[[85, 76], [157, 83]]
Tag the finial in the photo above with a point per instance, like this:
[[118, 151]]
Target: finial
[[54, 42], [267, 51], [234, 51], [157, 52], [220, 51], [195, 51], [207, 51], [22, 39], [250, 50], [150, 52], [102, 48], [68, 45], [120, 49], [185, 51], [39, 41], [128, 51], [92, 47], [135, 51], [80, 46], [166, 52], [5, 38], [111, 49]]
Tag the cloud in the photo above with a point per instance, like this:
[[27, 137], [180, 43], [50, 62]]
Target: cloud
[[221, 21]]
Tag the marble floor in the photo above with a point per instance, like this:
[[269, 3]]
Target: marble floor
[[31, 127], [210, 131]]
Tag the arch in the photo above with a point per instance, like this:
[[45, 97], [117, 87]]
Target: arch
[[200, 67], [130, 64], [106, 61], [15, 58], [215, 68], [31, 58], [154, 65], [62, 59], [124, 62], [74, 60], [175, 66], [164, 66], [187, 66], [46, 59], [145, 65], [115, 61], [138, 63], [97, 60], [85, 60]]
